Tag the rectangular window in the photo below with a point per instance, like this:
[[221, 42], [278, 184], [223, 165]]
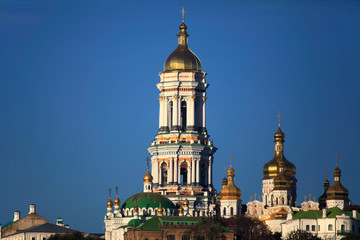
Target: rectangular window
[[318, 227], [170, 237], [307, 227], [33, 238], [330, 227], [313, 228]]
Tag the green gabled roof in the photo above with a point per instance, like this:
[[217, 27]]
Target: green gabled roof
[[153, 224], [149, 199], [330, 213], [7, 224]]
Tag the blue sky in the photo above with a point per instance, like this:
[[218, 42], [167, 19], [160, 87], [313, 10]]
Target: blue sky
[[78, 101]]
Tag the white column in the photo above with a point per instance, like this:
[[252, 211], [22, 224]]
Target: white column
[[159, 171], [197, 171], [170, 171], [192, 170], [161, 111], [165, 112], [176, 171], [200, 113], [155, 170], [191, 115], [188, 179], [204, 113], [210, 172]]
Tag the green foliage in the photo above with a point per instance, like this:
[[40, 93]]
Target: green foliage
[[301, 235], [246, 228], [207, 229], [72, 236]]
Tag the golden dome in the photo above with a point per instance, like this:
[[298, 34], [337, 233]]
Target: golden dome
[[148, 177], [186, 202], [109, 203], [136, 208], [230, 191], [160, 210], [271, 168], [337, 190], [182, 58], [117, 201]]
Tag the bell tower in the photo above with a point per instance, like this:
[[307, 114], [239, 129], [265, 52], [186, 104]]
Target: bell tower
[[182, 154]]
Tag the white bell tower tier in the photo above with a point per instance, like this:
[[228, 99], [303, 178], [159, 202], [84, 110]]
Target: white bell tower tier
[[182, 154]]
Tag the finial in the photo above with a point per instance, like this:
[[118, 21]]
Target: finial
[[279, 116], [183, 14], [224, 171], [231, 159], [109, 193], [147, 162], [117, 190], [309, 196], [337, 159], [326, 172], [251, 198], [305, 198], [255, 194]]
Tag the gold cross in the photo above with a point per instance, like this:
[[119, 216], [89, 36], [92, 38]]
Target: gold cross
[[183, 14], [326, 172], [231, 160], [117, 190], [147, 162], [337, 159], [279, 116], [109, 192], [224, 171]]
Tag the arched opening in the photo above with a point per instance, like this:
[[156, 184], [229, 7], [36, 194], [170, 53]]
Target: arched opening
[[272, 200], [183, 115], [183, 174], [224, 212], [202, 173], [149, 211], [282, 201], [231, 211], [163, 174]]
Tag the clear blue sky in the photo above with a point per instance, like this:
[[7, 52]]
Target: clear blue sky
[[78, 101]]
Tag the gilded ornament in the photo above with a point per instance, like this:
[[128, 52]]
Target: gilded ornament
[[176, 96]]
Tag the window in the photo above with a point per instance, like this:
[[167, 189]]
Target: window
[[318, 227], [231, 211], [183, 115], [307, 227], [163, 173], [171, 113], [342, 227], [183, 174], [224, 212], [313, 228], [170, 237], [329, 227], [33, 238], [149, 211]]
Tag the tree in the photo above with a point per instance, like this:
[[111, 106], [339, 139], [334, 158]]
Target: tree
[[351, 237], [301, 235], [72, 236], [246, 228], [207, 229]]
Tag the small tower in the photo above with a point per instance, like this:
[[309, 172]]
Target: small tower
[[109, 204], [337, 195], [271, 171], [117, 202], [323, 197], [148, 184], [160, 210], [230, 201]]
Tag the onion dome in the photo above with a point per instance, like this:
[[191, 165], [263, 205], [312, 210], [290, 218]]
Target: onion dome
[[136, 208], [147, 176], [117, 201], [337, 190], [230, 191], [148, 200], [109, 203], [181, 210], [322, 198], [270, 169], [160, 210], [182, 58], [186, 203]]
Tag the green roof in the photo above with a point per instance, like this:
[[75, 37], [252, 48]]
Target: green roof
[[147, 200], [330, 213], [7, 224], [134, 222]]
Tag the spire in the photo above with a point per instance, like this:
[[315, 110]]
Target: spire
[[109, 202], [147, 177], [117, 200], [183, 14]]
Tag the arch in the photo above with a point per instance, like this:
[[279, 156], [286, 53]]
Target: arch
[[184, 172], [282, 200], [183, 115], [232, 211], [163, 169], [203, 172], [224, 211]]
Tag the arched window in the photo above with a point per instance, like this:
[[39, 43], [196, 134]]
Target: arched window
[[163, 174], [224, 212], [203, 172], [149, 211], [144, 212], [183, 174], [329, 227], [183, 115], [132, 212], [282, 200], [231, 211]]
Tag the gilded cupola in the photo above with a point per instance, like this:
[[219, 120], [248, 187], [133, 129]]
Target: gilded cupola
[[281, 182], [271, 168], [230, 191], [182, 59], [109, 203], [337, 191], [117, 200], [147, 176]]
